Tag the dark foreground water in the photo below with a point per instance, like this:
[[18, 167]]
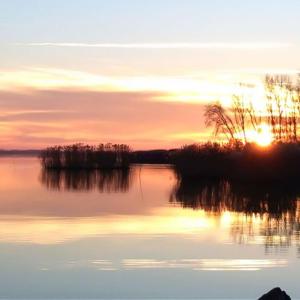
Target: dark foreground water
[[141, 234]]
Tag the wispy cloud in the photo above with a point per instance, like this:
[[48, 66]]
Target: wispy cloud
[[238, 46], [183, 87]]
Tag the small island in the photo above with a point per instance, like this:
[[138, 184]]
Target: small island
[[81, 156]]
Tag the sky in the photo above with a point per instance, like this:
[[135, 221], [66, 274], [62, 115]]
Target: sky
[[132, 71]]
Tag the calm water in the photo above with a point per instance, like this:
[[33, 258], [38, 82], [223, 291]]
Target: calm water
[[142, 234]]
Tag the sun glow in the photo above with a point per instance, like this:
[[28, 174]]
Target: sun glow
[[262, 137]]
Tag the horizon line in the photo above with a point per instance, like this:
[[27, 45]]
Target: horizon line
[[179, 45]]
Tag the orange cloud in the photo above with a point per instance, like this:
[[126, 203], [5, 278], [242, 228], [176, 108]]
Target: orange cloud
[[38, 118]]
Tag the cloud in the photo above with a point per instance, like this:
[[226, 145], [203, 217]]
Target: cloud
[[41, 118], [217, 45], [199, 88]]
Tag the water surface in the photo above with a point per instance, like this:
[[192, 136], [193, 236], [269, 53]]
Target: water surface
[[143, 234]]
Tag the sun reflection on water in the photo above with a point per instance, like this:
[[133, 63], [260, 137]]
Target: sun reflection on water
[[224, 227]]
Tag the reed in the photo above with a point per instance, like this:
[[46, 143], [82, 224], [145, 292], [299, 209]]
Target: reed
[[80, 156]]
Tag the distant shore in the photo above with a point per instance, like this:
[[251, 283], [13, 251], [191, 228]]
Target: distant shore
[[18, 152]]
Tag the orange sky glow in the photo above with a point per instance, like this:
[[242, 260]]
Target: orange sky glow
[[44, 106], [108, 80]]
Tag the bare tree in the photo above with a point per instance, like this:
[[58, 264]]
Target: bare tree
[[283, 107], [255, 118], [215, 115], [240, 115], [282, 112], [295, 97], [278, 94]]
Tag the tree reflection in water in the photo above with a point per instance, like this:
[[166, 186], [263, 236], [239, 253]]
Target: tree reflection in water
[[268, 213], [116, 180]]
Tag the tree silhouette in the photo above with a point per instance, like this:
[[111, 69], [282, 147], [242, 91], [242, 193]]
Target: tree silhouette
[[281, 112]]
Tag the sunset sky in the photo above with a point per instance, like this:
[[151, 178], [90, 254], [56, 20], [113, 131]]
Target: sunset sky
[[132, 71]]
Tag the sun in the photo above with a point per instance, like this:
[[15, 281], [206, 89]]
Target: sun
[[263, 136]]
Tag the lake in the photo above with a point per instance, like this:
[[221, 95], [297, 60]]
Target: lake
[[143, 234]]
